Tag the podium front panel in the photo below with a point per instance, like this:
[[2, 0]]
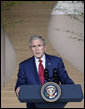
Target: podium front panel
[[32, 93]]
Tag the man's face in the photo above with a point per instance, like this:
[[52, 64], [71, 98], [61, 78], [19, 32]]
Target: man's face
[[38, 48]]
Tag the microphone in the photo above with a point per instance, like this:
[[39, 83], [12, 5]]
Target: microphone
[[46, 74], [54, 74], [54, 78]]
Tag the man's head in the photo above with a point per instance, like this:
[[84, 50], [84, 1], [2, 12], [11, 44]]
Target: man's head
[[38, 46]]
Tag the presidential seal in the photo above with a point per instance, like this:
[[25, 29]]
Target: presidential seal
[[50, 92]]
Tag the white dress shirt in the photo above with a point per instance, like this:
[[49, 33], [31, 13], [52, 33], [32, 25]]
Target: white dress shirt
[[37, 62]]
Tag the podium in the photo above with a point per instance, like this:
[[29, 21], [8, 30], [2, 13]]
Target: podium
[[32, 94]]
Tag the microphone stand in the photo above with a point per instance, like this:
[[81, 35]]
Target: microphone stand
[[50, 79]]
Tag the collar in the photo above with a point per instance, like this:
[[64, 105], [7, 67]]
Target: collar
[[43, 58]]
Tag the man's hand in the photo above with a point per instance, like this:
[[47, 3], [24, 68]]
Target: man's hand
[[17, 91]]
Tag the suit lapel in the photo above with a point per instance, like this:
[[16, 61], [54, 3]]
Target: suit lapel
[[49, 64], [35, 72]]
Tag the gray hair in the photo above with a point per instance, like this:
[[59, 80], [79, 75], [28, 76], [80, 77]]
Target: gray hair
[[35, 38]]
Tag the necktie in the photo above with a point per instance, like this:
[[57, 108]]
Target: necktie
[[41, 72]]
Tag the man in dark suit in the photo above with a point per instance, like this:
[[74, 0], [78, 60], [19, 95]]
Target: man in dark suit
[[29, 69]]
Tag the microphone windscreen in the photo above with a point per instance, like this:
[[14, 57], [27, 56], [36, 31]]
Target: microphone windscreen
[[54, 72], [46, 73]]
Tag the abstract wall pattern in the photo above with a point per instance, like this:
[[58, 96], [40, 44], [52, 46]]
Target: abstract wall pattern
[[66, 31], [8, 59]]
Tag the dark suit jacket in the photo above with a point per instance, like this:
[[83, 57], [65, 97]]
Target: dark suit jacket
[[28, 74]]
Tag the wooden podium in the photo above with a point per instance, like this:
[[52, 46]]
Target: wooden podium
[[32, 94]]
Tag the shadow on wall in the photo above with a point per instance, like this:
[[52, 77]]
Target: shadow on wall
[[66, 31], [8, 59]]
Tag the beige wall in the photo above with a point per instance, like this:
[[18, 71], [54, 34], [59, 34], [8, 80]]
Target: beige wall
[[8, 59], [2, 59]]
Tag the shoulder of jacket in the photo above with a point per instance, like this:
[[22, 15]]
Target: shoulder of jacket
[[53, 57], [26, 61]]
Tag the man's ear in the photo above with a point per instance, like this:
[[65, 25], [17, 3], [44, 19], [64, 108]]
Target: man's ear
[[30, 48]]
